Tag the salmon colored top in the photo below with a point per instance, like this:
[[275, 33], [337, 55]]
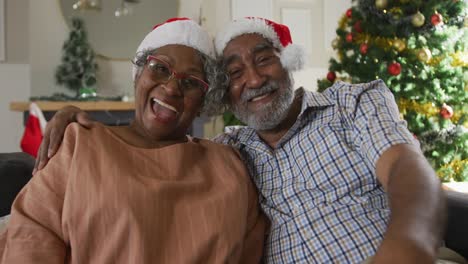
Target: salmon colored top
[[101, 200]]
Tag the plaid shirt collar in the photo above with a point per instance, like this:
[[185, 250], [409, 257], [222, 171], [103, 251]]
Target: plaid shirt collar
[[310, 100]]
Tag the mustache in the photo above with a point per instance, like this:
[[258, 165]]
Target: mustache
[[248, 94]]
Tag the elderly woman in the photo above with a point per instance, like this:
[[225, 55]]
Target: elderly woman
[[144, 193]]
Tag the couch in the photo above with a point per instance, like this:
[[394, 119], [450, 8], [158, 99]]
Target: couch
[[16, 169], [15, 172]]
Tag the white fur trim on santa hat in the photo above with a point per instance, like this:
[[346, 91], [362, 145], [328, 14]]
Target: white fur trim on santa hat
[[292, 56], [182, 32], [245, 26]]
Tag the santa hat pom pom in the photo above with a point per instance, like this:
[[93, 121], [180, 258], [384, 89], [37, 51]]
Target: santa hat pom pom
[[293, 57]]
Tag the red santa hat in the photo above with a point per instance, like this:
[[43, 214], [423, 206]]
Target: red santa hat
[[291, 55], [35, 127], [178, 30]]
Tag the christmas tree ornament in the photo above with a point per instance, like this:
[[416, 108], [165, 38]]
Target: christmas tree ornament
[[399, 45], [336, 43], [363, 48], [350, 53], [349, 37], [381, 4], [349, 13], [424, 55], [437, 19], [396, 12], [331, 76], [394, 68], [446, 111], [357, 26], [418, 19]]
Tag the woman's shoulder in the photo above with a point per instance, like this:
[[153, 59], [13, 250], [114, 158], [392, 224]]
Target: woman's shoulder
[[219, 150], [76, 129], [212, 145], [75, 132]]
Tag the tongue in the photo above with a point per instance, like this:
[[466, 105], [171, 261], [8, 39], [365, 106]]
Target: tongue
[[164, 114]]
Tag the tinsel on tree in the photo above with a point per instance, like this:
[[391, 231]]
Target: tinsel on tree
[[419, 49], [77, 70]]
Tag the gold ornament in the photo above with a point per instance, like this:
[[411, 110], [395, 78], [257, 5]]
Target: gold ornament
[[424, 55], [399, 45], [396, 12], [336, 43], [418, 19], [381, 4]]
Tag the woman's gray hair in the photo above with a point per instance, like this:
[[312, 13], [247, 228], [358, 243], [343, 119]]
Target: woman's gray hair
[[215, 101]]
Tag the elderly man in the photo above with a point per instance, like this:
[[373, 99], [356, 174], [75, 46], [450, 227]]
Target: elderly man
[[339, 175]]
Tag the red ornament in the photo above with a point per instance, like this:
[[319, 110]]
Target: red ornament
[[357, 26], [437, 19], [394, 68], [331, 76], [349, 37], [363, 48], [349, 13], [446, 111]]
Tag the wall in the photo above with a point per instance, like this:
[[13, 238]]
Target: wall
[[14, 72]]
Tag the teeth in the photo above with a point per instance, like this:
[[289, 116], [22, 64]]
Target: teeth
[[165, 105], [260, 97]]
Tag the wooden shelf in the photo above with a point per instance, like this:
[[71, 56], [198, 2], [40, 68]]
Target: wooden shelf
[[86, 106]]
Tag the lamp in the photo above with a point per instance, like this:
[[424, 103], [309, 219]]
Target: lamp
[[86, 5], [125, 9]]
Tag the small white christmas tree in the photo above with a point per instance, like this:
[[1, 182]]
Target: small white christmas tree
[[77, 71]]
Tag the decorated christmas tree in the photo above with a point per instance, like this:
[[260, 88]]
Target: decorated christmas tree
[[419, 49], [77, 71]]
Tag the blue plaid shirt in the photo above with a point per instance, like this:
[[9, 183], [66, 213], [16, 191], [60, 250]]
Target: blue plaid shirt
[[318, 186]]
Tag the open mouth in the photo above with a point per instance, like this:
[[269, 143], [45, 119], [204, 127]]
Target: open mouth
[[155, 102], [163, 111], [260, 97]]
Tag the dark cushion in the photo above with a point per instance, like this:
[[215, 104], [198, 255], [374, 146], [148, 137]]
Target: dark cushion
[[15, 171], [456, 236]]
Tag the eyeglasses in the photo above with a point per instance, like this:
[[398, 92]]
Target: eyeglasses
[[162, 71]]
